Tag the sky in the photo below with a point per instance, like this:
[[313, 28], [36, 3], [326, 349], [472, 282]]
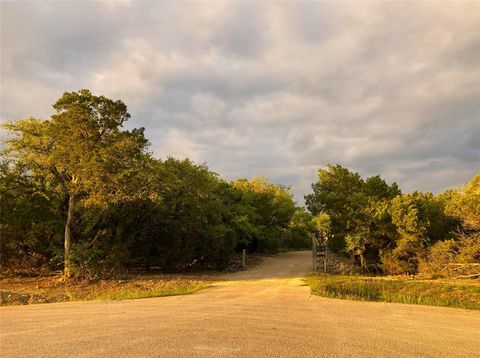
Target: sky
[[275, 89]]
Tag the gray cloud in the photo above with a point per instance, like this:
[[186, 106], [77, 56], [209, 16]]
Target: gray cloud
[[272, 89]]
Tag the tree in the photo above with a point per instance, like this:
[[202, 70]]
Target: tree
[[322, 224], [193, 217], [270, 208], [352, 205], [420, 221], [30, 218], [300, 229], [330, 196], [464, 203], [82, 151]]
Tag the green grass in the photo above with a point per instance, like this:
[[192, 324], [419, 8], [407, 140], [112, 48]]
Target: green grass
[[22, 291], [431, 292], [134, 293]]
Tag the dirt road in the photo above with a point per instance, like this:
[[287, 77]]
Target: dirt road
[[265, 312]]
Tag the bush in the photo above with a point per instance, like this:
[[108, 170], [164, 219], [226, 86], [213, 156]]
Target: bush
[[451, 258], [404, 258], [91, 261], [439, 257], [469, 249]]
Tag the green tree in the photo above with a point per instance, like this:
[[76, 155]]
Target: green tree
[[193, 211], [270, 208], [31, 217], [82, 151], [299, 231], [331, 194], [464, 203], [322, 224], [353, 205], [420, 221]]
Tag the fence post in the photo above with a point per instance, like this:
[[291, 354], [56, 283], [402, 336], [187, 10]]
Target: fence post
[[243, 258], [325, 261]]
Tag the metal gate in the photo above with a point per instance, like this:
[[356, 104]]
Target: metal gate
[[319, 254]]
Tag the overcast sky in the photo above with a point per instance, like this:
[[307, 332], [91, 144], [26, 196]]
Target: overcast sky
[[266, 89]]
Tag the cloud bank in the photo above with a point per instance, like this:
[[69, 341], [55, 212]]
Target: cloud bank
[[270, 89]]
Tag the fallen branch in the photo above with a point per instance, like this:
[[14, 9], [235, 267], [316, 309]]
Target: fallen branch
[[472, 264], [476, 275]]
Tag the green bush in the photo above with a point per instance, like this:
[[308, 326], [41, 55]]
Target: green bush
[[404, 258], [450, 258]]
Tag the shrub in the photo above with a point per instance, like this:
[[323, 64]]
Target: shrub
[[439, 257], [404, 258], [459, 257], [92, 262]]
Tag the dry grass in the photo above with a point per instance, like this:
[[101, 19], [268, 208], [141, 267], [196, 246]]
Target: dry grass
[[29, 290], [402, 290]]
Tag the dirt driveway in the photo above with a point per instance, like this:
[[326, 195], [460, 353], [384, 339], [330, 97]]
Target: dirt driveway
[[265, 312]]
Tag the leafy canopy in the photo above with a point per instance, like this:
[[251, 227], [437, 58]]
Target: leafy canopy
[[82, 149]]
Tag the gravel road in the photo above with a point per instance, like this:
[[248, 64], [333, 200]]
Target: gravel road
[[264, 312]]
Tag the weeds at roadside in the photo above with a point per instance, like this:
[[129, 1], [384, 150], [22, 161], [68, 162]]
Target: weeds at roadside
[[29, 290], [431, 292], [134, 293]]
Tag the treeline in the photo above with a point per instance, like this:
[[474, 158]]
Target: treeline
[[79, 193], [82, 194], [387, 231]]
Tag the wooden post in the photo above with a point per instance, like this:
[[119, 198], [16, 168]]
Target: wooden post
[[325, 262], [244, 252]]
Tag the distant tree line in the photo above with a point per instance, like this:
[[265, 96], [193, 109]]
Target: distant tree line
[[387, 231], [82, 194]]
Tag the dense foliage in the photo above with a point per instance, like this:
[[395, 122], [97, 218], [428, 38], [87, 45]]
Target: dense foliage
[[384, 230], [80, 193]]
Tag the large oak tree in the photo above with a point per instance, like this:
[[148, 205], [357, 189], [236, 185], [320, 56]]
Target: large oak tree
[[83, 152]]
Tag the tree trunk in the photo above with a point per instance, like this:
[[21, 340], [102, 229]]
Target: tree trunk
[[68, 236], [363, 263]]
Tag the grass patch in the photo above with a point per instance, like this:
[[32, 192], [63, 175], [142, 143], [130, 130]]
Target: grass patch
[[423, 292], [30, 290], [134, 293]]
